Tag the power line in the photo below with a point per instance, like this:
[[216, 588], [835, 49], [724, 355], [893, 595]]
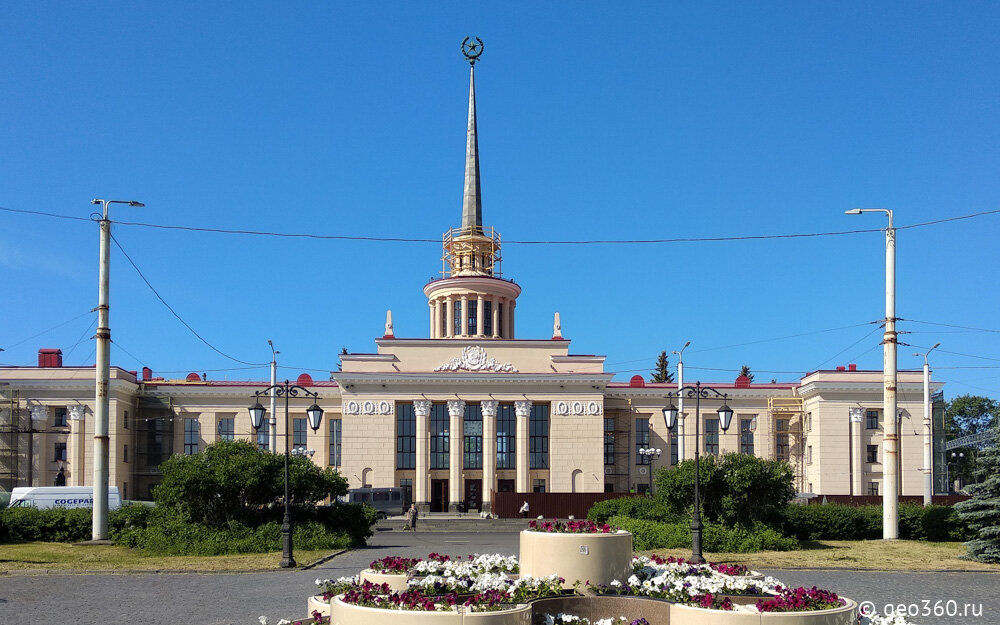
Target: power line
[[876, 329], [951, 325], [308, 235], [945, 351], [781, 338], [34, 336], [174, 312]]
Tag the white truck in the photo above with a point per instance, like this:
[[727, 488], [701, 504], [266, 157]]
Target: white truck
[[43, 497]]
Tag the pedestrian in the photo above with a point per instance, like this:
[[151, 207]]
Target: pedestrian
[[413, 518], [409, 519], [524, 509]]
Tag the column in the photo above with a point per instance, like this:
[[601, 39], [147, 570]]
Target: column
[[511, 313], [464, 321], [496, 317], [858, 450], [76, 446], [522, 408], [479, 316], [456, 413], [449, 330], [489, 408], [422, 410], [434, 322]]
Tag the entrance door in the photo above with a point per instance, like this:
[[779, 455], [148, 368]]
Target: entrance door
[[473, 495], [439, 495]]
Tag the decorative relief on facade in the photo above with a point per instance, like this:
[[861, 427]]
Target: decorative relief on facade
[[368, 407], [456, 407], [578, 408], [39, 413], [489, 407], [474, 358], [422, 407], [76, 413], [522, 407], [857, 414]]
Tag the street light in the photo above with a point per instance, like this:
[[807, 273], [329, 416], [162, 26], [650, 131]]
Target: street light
[[928, 477], [670, 420], [680, 400], [650, 452], [957, 458], [890, 494], [315, 415], [102, 369]]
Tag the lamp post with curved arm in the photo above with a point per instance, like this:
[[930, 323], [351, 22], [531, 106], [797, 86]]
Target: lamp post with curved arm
[[315, 415], [697, 392]]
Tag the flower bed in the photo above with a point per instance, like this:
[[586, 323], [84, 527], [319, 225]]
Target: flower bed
[[584, 526]]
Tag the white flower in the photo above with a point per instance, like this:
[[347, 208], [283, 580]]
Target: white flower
[[262, 619], [284, 621]]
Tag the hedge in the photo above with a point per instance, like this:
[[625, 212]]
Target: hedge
[[715, 538], [632, 507], [840, 522]]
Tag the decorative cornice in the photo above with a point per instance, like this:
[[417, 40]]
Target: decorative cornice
[[368, 407], [578, 408], [474, 358]]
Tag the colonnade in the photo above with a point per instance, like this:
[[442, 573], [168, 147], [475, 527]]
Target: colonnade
[[456, 416], [442, 317]]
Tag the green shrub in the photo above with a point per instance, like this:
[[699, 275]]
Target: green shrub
[[654, 534], [55, 525], [715, 538], [633, 508], [841, 522], [944, 523]]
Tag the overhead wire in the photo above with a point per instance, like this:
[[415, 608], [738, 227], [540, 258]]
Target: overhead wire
[[34, 336], [174, 312]]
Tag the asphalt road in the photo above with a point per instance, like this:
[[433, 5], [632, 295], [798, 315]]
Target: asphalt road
[[240, 598]]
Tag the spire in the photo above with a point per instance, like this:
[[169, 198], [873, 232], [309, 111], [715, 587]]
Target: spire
[[472, 201]]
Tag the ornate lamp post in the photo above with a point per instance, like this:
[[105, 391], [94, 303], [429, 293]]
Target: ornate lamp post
[[650, 452], [697, 392], [315, 415]]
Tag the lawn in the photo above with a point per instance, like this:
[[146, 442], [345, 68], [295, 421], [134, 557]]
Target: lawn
[[896, 555], [44, 557]]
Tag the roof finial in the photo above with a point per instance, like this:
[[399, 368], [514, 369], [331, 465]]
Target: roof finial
[[472, 50], [472, 200]]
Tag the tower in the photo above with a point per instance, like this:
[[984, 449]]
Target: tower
[[471, 300]]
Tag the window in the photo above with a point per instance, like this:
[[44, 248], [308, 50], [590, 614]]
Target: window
[[746, 436], [871, 419], [781, 439], [809, 454], [500, 315], [712, 436], [335, 429], [538, 445], [299, 432], [264, 436], [458, 318], [872, 454], [472, 318], [506, 430], [473, 432], [227, 429], [642, 441], [191, 431], [439, 436], [488, 318], [407, 485], [809, 423], [609, 441], [60, 450], [61, 416], [538, 486], [125, 454], [406, 437], [873, 488], [125, 420]]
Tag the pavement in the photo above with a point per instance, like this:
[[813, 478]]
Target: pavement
[[240, 598]]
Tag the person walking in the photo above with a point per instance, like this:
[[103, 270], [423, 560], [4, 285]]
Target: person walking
[[524, 509], [413, 516], [409, 519]]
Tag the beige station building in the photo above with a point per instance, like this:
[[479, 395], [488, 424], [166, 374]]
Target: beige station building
[[467, 411]]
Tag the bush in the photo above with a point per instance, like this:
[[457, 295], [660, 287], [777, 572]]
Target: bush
[[736, 489], [715, 538], [944, 523], [841, 522], [633, 508], [54, 525]]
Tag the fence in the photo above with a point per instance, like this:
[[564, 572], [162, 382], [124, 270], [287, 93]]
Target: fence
[[549, 505], [876, 500]]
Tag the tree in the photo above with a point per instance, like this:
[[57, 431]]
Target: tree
[[982, 512], [971, 414], [662, 372], [235, 481], [746, 371]]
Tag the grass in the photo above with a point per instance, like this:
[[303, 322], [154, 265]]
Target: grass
[[897, 555], [43, 557]]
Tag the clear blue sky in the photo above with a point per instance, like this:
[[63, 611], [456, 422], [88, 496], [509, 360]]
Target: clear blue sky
[[597, 121]]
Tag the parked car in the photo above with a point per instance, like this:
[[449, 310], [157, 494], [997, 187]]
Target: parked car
[[386, 501], [43, 497]]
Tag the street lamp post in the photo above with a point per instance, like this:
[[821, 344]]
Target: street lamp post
[[928, 462], [102, 448], [890, 443], [315, 415], [697, 392], [651, 452], [680, 401]]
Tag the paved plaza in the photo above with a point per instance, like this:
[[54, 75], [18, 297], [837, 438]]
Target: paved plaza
[[240, 598]]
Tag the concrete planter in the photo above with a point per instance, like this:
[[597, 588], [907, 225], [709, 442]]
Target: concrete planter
[[597, 558], [594, 607], [346, 614], [316, 604], [747, 615], [396, 581]]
